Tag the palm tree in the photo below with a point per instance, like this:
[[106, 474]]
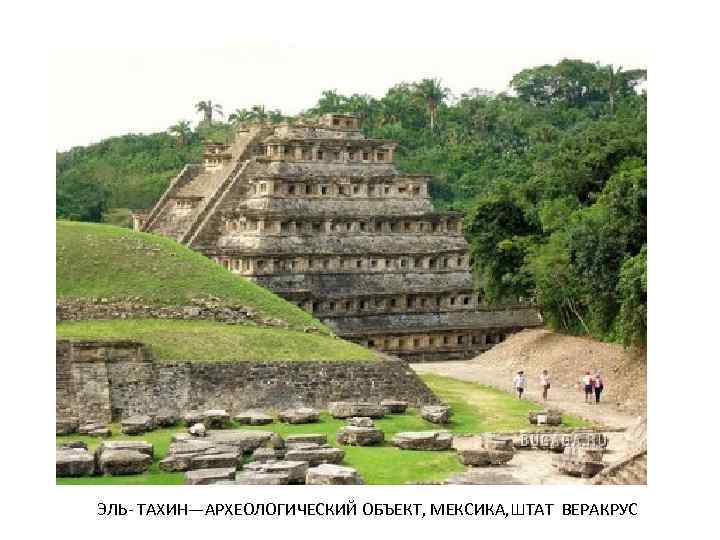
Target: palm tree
[[239, 116], [182, 132], [432, 93], [258, 113], [207, 108]]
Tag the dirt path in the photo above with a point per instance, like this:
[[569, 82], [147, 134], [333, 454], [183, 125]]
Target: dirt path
[[566, 399], [564, 356]]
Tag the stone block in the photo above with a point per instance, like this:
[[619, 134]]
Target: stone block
[[436, 414], [423, 440], [255, 478], [165, 418], [348, 409], [143, 447], [360, 436], [549, 417], [136, 425], [193, 417], [301, 415], [123, 462], [245, 440], [315, 456], [360, 421], [214, 461], [253, 418], [73, 444], [268, 454], [216, 419], [317, 438], [197, 430], [209, 476], [66, 426], [394, 406], [74, 462], [294, 470], [332, 475]]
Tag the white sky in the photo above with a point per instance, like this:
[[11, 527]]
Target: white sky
[[125, 83]]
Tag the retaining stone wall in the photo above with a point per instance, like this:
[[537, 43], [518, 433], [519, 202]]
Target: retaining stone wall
[[112, 380]]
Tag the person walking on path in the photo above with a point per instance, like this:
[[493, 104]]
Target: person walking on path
[[519, 383], [587, 383], [545, 383], [598, 385]]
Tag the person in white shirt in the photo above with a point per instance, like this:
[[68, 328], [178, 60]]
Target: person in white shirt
[[587, 382], [545, 383], [519, 383]]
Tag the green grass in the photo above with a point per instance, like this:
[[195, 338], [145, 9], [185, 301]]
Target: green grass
[[476, 408], [103, 261], [206, 341]]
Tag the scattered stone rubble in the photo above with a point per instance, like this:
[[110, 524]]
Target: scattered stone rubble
[[66, 426], [581, 460], [216, 419], [483, 451], [253, 418], [123, 462], [314, 454], [96, 429], [301, 415], [294, 470], [423, 440], [348, 409], [165, 418], [74, 461], [394, 406], [332, 475], [137, 425], [201, 477], [316, 438], [437, 414], [550, 417], [360, 431]]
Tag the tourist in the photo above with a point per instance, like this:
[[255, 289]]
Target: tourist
[[519, 383], [544, 383], [598, 385], [587, 384]]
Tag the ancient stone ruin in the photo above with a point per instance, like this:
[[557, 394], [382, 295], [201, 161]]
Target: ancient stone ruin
[[319, 214]]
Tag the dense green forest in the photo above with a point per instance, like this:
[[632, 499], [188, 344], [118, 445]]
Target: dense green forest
[[552, 177]]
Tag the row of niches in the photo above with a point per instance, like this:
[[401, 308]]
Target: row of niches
[[329, 152], [404, 303], [265, 188], [328, 264], [435, 341], [406, 225]]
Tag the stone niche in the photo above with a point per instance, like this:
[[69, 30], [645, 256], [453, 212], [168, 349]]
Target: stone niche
[[104, 381]]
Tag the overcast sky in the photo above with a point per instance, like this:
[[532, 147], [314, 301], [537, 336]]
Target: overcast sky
[[113, 89]]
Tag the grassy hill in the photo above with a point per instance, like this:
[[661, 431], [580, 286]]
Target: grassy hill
[[103, 261]]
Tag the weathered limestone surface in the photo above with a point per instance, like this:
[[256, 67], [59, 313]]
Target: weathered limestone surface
[[318, 213], [315, 456], [268, 454], [332, 475], [143, 447], [347, 409], [258, 478], [97, 378], [216, 418], [394, 406], [253, 418], [548, 417], [74, 462], [245, 440], [209, 476], [316, 438], [437, 414], [301, 415], [482, 451], [122, 462], [423, 440], [581, 460], [360, 436], [136, 425], [294, 470], [214, 461]]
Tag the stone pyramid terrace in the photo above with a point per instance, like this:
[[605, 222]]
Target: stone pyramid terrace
[[318, 213]]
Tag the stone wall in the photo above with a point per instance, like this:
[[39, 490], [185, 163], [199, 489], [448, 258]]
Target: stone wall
[[104, 380]]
